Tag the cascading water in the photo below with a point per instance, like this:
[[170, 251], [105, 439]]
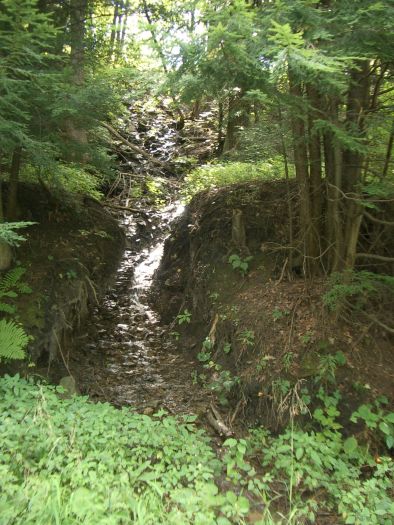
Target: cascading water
[[125, 357]]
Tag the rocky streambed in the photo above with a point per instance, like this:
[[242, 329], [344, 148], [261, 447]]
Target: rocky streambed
[[125, 356]]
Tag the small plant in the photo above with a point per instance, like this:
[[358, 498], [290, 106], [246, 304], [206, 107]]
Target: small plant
[[13, 338], [307, 337], [10, 287], [328, 365], [247, 337], [279, 314], [205, 354], [240, 265], [377, 418], [214, 296], [71, 274], [227, 348], [184, 317], [263, 362], [288, 360], [222, 381], [176, 335]]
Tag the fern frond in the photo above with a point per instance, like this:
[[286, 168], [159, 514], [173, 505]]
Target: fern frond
[[7, 308], [11, 278], [13, 340], [23, 288], [8, 233]]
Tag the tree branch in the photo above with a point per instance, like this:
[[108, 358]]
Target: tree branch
[[378, 221], [374, 256]]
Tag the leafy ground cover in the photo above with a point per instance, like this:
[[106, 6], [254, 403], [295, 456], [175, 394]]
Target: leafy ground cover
[[69, 461], [215, 175]]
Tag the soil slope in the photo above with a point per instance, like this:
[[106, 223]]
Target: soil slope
[[270, 327]]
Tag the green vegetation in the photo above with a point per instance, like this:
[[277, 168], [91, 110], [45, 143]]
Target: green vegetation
[[216, 175], [71, 461], [295, 91], [239, 264], [13, 339]]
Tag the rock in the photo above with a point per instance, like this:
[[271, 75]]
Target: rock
[[70, 386]]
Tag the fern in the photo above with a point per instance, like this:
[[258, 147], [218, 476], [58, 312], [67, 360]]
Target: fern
[[11, 286], [8, 233], [13, 340]]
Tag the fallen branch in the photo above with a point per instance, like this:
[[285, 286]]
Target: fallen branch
[[217, 423], [125, 208], [144, 177], [134, 148]]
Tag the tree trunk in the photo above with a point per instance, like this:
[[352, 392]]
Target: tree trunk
[[12, 201], [388, 152], [315, 160], [311, 248], [113, 31], [78, 11], [237, 118], [220, 129], [358, 101], [5, 249]]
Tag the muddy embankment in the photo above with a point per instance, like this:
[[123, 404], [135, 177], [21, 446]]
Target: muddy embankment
[[70, 257], [268, 328]]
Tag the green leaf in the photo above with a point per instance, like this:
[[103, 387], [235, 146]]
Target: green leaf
[[350, 445], [385, 428]]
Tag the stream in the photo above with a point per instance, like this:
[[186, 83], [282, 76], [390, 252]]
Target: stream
[[125, 357]]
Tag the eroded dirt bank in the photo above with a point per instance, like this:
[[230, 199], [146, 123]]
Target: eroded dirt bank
[[268, 331], [70, 256]]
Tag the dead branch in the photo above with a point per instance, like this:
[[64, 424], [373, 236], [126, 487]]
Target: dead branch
[[374, 256], [379, 323], [133, 147], [125, 208], [217, 423], [378, 221]]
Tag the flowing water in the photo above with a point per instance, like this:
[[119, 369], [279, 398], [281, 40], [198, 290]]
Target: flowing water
[[125, 357]]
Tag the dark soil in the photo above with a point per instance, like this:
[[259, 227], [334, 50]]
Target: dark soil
[[273, 319], [69, 256]]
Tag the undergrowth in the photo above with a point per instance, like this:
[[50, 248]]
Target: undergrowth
[[69, 461], [215, 175]]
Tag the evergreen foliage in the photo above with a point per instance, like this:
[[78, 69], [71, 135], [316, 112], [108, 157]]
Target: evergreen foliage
[[9, 232], [13, 340]]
